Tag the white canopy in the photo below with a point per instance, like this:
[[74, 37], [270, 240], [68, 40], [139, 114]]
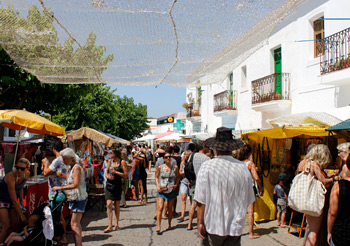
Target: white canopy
[[172, 137], [145, 138]]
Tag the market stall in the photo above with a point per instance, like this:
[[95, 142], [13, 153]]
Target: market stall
[[280, 150], [36, 190], [90, 144]]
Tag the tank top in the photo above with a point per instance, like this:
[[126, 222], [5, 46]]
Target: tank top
[[4, 192], [166, 178], [117, 179], [77, 194], [341, 228]]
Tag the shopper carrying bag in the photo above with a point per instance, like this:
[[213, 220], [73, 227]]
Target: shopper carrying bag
[[307, 194]]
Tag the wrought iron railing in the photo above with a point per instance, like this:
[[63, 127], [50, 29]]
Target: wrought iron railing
[[272, 87], [336, 50], [225, 100]]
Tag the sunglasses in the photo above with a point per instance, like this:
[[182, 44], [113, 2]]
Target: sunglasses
[[167, 157], [20, 168]]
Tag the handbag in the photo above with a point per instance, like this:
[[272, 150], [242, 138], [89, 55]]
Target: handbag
[[110, 186], [307, 194]]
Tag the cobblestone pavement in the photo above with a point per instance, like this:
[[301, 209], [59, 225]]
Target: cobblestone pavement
[[138, 228]]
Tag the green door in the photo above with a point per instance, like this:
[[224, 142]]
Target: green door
[[277, 55]]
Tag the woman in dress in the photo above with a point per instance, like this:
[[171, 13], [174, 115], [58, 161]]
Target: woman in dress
[[339, 213], [11, 188], [317, 159], [77, 195], [116, 172], [167, 180], [244, 155]]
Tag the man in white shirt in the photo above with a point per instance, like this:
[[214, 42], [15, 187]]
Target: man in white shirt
[[223, 192]]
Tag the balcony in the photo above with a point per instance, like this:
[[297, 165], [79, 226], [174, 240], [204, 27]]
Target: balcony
[[336, 57], [193, 113], [336, 52], [225, 103], [271, 93]]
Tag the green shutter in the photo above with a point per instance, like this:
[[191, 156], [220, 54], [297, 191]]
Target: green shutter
[[277, 55]]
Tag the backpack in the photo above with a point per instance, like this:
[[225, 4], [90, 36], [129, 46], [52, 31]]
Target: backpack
[[189, 169]]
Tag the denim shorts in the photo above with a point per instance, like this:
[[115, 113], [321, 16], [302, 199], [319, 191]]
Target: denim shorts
[[77, 206], [167, 196], [184, 189]]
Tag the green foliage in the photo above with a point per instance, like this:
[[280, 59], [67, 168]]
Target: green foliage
[[71, 105]]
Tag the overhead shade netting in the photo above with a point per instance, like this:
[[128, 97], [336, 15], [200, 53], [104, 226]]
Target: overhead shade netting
[[133, 42]]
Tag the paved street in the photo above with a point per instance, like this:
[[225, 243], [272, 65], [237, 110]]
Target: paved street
[[138, 228]]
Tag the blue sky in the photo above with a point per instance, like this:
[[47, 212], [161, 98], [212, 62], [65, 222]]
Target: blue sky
[[160, 101]]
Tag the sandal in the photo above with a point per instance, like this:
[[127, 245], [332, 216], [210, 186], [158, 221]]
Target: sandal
[[107, 230], [116, 228]]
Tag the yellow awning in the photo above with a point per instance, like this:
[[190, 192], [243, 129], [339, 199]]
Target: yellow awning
[[288, 132]]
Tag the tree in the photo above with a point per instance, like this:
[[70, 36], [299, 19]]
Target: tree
[[70, 105]]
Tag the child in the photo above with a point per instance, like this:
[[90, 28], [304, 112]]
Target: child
[[281, 192], [27, 230]]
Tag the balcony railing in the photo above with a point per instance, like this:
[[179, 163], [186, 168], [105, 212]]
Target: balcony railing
[[272, 87], [226, 100], [336, 52]]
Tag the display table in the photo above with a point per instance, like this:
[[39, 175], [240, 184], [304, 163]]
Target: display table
[[35, 193]]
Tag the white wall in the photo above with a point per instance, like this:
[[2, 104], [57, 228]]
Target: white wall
[[309, 92]]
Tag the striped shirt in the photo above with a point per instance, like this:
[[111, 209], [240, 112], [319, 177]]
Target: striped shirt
[[224, 185]]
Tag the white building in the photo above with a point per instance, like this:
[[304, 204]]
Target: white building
[[173, 122], [287, 73]]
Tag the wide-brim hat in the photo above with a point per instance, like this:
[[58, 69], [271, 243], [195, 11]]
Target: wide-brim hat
[[224, 140]]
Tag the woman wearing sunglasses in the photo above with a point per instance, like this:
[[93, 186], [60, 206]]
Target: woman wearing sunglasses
[[167, 180], [11, 188]]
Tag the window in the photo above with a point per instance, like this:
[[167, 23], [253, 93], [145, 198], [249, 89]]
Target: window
[[318, 37], [244, 76]]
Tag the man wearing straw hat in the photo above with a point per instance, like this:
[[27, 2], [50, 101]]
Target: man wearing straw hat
[[223, 192]]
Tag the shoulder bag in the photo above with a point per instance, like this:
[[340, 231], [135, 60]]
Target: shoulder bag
[[307, 194]]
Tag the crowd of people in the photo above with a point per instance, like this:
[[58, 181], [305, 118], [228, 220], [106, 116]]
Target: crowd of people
[[223, 191]]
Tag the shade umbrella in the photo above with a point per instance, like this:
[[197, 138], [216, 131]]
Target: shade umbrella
[[20, 120]]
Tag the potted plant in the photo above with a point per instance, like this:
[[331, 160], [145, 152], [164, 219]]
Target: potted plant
[[185, 105]]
